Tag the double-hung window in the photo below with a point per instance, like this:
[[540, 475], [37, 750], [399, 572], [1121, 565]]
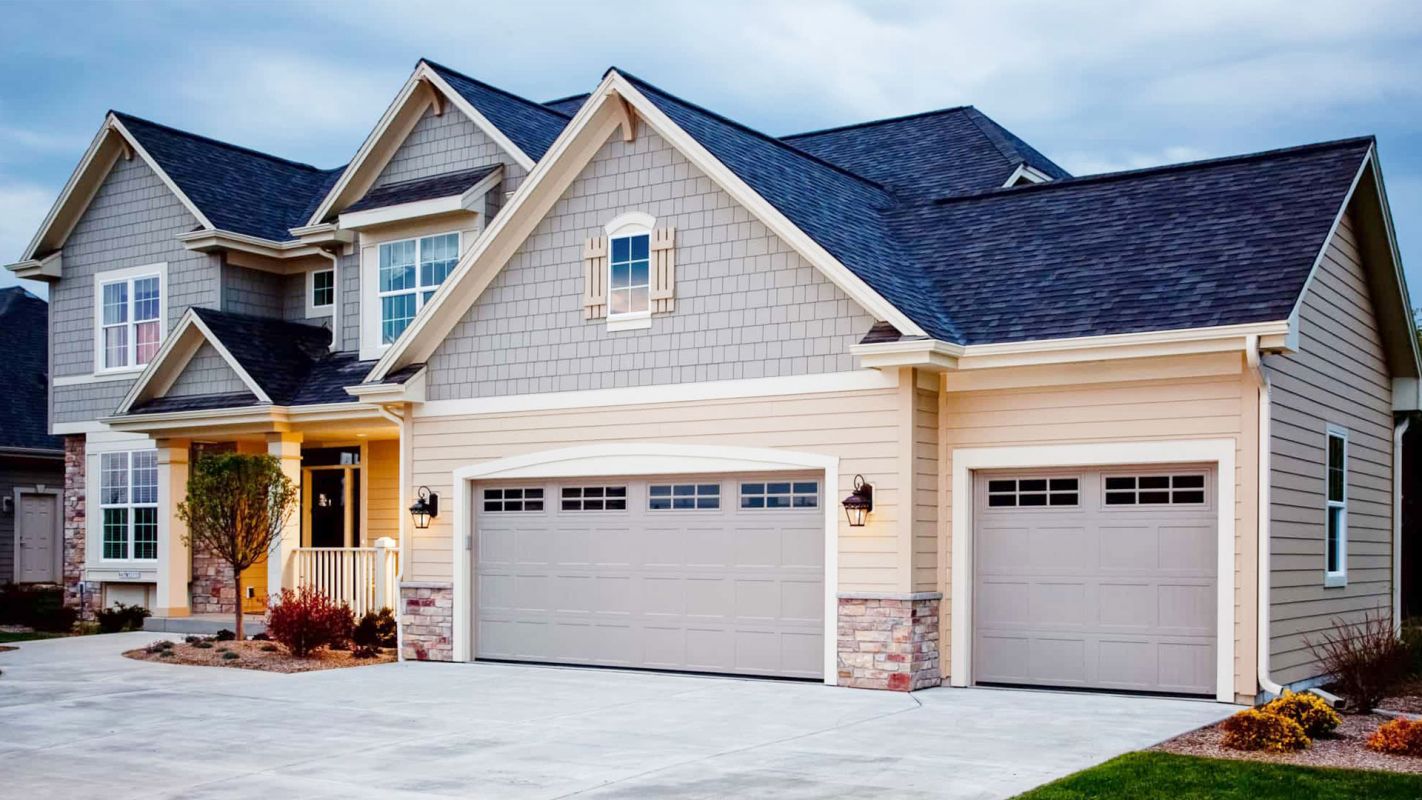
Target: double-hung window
[[1335, 549], [128, 505], [320, 292], [628, 276], [410, 272], [130, 319]]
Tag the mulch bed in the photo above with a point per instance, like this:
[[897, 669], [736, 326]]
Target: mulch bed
[[258, 656], [1345, 747], [4, 648]]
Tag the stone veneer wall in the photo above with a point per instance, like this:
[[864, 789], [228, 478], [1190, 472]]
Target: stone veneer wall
[[427, 621], [889, 642], [75, 529]]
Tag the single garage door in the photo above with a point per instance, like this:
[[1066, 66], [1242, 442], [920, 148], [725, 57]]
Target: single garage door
[[1096, 579], [703, 573]]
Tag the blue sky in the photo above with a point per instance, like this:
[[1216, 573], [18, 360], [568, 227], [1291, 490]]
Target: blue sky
[[1096, 86]]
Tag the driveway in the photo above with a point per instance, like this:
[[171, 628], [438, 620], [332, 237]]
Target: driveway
[[79, 720]]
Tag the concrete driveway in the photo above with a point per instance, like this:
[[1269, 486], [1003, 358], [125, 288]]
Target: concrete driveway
[[79, 720]]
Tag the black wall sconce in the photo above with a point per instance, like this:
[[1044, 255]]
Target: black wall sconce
[[859, 503], [426, 507]]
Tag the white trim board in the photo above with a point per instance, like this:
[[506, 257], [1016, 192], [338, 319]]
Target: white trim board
[[966, 461], [638, 459]]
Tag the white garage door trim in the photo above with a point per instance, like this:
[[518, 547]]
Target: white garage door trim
[[1220, 452], [617, 459]]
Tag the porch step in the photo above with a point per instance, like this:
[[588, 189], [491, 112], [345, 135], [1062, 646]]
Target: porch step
[[203, 624]]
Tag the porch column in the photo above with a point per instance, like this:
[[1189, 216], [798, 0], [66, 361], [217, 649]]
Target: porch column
[[174, 556], [286, 449]]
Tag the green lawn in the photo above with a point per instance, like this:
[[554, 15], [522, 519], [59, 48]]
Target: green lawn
[[29, 637], [1138, 775]]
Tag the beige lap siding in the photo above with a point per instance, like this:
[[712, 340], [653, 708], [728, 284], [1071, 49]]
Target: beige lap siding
[[1188, 397], [860, 427], [1339, 377], [383, 483]]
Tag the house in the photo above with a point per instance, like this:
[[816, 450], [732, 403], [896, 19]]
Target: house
[[890, 405], [31, 460]]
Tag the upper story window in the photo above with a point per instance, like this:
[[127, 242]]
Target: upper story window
[[128, 502], [628, 275], [320, 292], [129, 317], [1335, 568], [410, 271]]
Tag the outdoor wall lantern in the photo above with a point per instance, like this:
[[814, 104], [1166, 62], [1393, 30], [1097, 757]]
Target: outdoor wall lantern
[[858, 504], [426, 507]]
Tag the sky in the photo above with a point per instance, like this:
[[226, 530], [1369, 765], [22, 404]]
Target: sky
[[1096, 86]]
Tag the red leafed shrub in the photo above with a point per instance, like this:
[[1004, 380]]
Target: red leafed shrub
[[1367, 659], [1400, 737], [305, 620]]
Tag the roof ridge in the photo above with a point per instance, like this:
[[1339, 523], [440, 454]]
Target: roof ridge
[[1108, 177], [872, 122], [760, 135], [564, 99], [218, 142], [994, 137], [492, 88], [237, 315], [437, 176]]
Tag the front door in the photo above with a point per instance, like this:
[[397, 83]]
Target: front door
[[38, 537], [329, 496]]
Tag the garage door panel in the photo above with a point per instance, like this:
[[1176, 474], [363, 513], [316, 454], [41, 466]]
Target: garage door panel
[[1096, 595]]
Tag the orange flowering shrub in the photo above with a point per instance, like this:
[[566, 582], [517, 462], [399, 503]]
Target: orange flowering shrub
[[1310, 711], [1400, 737], [1253, 729]]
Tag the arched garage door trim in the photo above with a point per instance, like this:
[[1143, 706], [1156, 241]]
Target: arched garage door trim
[[966, 461], [617, 459]]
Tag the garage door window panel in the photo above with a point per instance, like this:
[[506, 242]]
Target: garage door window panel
[[684, 497], [1155, 490], [594, 498], [1033, 492], [513, 499], [772, 495]]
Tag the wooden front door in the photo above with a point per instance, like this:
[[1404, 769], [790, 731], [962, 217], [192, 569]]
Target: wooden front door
[[37, 537]]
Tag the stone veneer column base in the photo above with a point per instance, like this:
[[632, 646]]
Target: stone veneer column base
[[76, 592], [426, 621], [889, 641]]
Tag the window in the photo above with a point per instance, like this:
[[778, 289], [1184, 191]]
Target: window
[[130, 312], [513, 499], [781, 494], [128, 502], [410, 271], [1335, 558], [1155, 490], [684, 496], [628, 281], [320, 292], [1033, 492], [594, 498]]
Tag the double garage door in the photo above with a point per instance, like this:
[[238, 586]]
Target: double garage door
[[721, 573], [1096, 579]]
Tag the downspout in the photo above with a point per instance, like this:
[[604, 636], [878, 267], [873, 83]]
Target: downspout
[[1256, 366], [1397, 432], [335, 298]]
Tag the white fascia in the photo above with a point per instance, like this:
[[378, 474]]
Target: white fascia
[[469, 200], [207, 241]]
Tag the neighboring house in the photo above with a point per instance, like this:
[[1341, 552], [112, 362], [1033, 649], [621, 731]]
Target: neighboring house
[[31, 460], [1134, 431]]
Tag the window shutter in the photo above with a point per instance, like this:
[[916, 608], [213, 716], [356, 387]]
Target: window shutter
[[663, 292], [595, 278]]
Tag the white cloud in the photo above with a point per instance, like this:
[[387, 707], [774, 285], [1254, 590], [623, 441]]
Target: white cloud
[[22, 209]]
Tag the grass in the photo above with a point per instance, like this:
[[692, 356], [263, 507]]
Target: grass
[[1139, 775], [29, 636]]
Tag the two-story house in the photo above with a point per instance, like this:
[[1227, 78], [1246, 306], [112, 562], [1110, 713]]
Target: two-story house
[[887, 405]]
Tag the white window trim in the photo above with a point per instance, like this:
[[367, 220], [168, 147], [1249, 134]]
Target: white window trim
[[313, 310], [130, 542], [1335, 578], [128, 275], [625, 226], [371, 346]]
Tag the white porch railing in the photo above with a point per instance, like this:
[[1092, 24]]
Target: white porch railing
[[363, 577]]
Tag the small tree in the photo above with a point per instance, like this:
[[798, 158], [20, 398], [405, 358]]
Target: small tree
[[237, 506]]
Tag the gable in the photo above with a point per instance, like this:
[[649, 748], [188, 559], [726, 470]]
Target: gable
[[207, 373], [747, 304], [444, 143]]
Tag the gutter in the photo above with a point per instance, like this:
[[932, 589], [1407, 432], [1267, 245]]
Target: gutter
[[1398, 431], [1266, 683], [335, 299]]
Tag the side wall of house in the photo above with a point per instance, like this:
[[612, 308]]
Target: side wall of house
[[251, 291], [26, 473], [132, 221], [1338, 377]]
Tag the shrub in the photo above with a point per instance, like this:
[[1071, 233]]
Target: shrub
[[1253, 729], [160, 646], [270, 648], [373, 632], [202, 644], [122, 618], [228, 655], [38, 607], [1400, 737], [260, 637], [194, 639], [1366, 659], [305, 620], [1310, 711], [224, 635]]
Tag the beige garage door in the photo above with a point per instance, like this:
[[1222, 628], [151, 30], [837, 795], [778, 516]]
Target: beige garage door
[[707, 574], [1096, 579]]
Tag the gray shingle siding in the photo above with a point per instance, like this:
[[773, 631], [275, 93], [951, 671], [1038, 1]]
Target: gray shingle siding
[[132, 221], [349, 278], [251, 291], [206, 373], [747, 306], [443, 144]]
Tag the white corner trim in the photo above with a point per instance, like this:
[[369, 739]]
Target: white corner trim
[[1220, 452], [789, 385], [621, 459], [1398, 431]]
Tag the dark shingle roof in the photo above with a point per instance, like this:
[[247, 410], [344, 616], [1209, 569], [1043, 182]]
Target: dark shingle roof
[[569, 105], [934, 154], [529, 125], [238, 189], [1221, 242], [201, 402], [446, 185], [24, 405], [290, 361]]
